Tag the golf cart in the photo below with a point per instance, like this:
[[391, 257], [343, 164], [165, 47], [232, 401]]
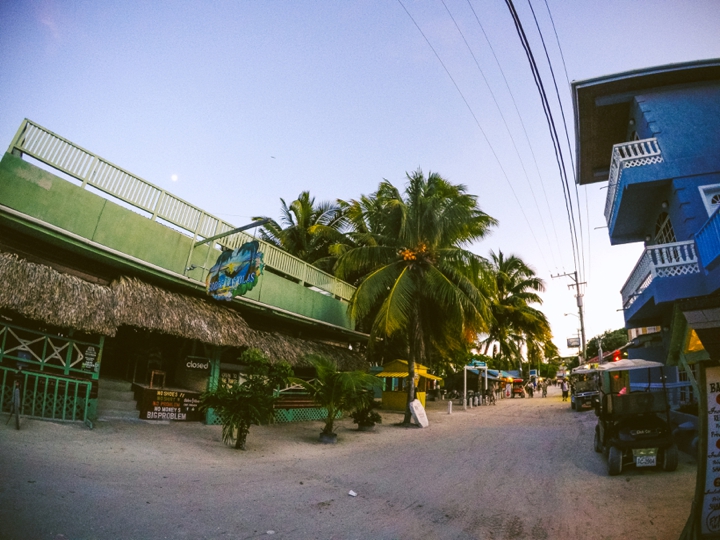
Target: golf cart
[[634, 417], [518, 387], [583, 386]]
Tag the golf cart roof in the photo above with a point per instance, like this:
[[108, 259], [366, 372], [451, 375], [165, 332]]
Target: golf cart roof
[[584, 370], [628, 364]]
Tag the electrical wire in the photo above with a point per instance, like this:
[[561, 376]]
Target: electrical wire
[[567, 138], [487, 140], [553, 130], [507, 128], [524, 129]]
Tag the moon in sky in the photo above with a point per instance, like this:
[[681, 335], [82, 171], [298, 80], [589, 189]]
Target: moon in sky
[[174, 178]]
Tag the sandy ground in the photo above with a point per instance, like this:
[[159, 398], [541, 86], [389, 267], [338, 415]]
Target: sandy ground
[[522, 469]]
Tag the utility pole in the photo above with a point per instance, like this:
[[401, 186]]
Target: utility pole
[[579, 298]]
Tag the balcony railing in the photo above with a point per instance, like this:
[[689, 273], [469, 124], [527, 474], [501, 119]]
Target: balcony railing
[[90, 169], [661, 261], [625, 155], [708, 241]]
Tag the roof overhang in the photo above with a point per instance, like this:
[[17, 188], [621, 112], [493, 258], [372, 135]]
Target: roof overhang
[[602, 105]]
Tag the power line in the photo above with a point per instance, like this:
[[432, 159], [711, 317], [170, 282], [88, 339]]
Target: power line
[[551, 126], [524, 129], [567, 136], [507, 128], [487, 140]]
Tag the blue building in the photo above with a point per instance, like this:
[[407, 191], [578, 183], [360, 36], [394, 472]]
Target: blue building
[[653, 135]]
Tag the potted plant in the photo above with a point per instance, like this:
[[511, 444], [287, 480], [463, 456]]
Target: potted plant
[[364, 414], [250, 402], [335, 391]]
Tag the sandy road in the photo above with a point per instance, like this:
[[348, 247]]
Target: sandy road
[[522, 469]]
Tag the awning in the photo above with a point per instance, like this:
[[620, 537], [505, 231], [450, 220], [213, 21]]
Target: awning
[[401, 375]]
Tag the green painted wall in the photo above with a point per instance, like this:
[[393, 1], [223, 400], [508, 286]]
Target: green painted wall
[[44, 196]]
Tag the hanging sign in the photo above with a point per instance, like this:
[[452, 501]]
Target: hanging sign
[[235, 272]]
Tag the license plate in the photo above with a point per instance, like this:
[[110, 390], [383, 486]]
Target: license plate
[[645, 461]]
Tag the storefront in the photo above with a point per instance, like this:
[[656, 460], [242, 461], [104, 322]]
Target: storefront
[[396, 375]]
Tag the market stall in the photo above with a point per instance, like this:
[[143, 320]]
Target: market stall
[[396, 375]]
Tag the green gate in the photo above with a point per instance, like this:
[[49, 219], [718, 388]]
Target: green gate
[[58, 373]]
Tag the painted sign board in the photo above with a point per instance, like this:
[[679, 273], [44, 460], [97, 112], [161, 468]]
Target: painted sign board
[[533, 373], [235, 272], [573, 342], [90, 359], [710, 517], [160, 404], [418, 413]]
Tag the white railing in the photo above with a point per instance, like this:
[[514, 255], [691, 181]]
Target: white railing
[[92, 170], [663, 260], [625, 155]]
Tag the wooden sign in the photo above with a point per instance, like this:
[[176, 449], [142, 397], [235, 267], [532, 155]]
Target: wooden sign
[[170, 405], [710, 518]]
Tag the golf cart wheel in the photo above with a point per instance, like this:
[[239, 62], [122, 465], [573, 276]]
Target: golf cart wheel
[[597, 443], [670, 458], [615, 456]]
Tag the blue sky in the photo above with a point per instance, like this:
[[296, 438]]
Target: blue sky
[[247, 102]]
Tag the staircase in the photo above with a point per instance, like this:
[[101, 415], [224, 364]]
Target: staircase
[[116, 400]]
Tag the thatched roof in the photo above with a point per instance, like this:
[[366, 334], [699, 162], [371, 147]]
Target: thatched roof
[[295, 350], [43, 294], [146, 306]]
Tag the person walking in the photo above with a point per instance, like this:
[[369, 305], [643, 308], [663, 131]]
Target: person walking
[[564, 387]]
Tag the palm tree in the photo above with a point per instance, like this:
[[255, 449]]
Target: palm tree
[[336, 391], [242, 405], [417, 278], [512, 287], [307, 230]]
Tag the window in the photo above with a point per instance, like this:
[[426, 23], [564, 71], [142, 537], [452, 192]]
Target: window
[[710, 197], [664, 233]]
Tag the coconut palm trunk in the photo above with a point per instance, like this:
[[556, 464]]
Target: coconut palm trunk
[[416, 356]]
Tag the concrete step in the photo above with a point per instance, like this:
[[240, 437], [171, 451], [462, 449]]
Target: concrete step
[[116, 405], [118, 415], [117, 395], [114, 384]]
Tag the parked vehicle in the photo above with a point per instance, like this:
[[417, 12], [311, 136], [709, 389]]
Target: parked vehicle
[[634, 418], [518, 388], [583, 386]]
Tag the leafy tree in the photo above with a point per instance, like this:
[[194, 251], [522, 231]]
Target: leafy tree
[[242, 405], [307, 230], [611, 340], [417, 278], [512, 287], [336, 391]]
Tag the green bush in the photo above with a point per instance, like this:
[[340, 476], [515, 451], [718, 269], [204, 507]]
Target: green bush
[[250, 402]]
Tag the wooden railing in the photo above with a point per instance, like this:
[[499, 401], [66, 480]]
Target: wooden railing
[[626, 155], [708, 241], [660, 261], [92, 170], [47, 396]]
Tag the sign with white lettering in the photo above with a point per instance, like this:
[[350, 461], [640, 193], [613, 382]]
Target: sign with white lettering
[[710, 518], [170, 405], [197, 363]]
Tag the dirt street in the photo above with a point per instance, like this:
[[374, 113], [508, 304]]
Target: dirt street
[[522, 469]]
